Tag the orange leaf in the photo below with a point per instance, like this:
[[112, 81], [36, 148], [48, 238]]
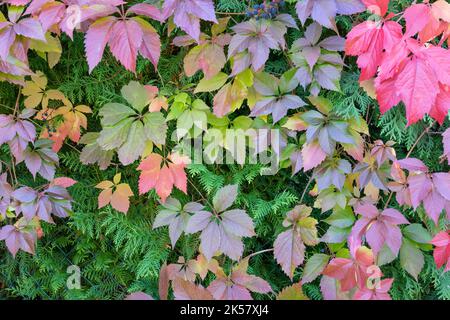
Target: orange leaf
[[120, 198], [104, 198]]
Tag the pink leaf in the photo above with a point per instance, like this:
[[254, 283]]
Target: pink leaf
[[289, 251], [96, 39], [312, 155], [64, 182], [125, 40]]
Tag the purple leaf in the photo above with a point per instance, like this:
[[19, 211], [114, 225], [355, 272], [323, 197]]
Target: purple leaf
[[347, 7], [210, 240], [198, 222], [30, 28], [238, 223], [225, 198]]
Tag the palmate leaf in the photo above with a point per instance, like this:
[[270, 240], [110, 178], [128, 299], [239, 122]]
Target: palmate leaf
[[380, 292], [276, 95], [222, 231], [16, 28], [379, 228], [93, 153], [41, 159], [129, 129], [126, 37], [175, 216], [351, 272], [116, 193], [191, 115], [53, 200], [20, 236], [426, 188], [17, 132], [163, 176], [324, 11], [209, 55], [324, 130], [238, 285], [404, 68], [318, 63], [257, 37], [187, 14]]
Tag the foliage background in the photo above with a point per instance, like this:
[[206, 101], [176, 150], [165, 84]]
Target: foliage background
[[118, 254]]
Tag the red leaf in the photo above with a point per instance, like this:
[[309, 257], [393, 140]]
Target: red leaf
[[442, 250]]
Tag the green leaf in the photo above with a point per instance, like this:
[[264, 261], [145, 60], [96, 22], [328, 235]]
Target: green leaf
[[134, 146], [314, 267], [322, 104], [218, 122], [417, 233], [245, 77], [288, 81], [341, 218], [155, 127], [242, 122], [113, 137], [212, 84], [136, 95], [176, 110], [411, 258], [199, 104], [112, 113], [385, 256]]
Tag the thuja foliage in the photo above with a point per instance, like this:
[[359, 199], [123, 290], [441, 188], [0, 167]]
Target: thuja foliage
[[102, 198]]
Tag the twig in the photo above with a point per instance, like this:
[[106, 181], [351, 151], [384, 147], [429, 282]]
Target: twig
[[231, 13]]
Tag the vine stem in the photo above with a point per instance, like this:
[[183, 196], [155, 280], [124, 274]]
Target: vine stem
[[306, 189], [16, 106], [259, 252], [408, 155], [13, 164]]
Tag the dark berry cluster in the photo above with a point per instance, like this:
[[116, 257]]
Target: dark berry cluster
[[266, 10], [48, 125]]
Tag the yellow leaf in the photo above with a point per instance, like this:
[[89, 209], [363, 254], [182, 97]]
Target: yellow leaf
[[220, 27], [104, 185], [148, 149], [117, 178], [369, 87], [83, 108], [322, 104], [294, 292]]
